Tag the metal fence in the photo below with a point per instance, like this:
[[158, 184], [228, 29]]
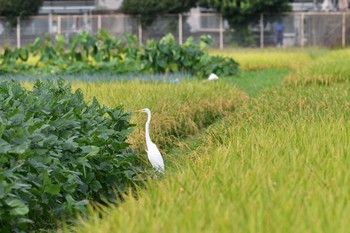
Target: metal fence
[[329, 29]]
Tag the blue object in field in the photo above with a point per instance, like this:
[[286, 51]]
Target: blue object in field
[[279, 33], [176, 81], [279, 27]]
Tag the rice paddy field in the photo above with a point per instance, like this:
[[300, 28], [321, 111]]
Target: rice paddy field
[[275, 157], [265, 151]]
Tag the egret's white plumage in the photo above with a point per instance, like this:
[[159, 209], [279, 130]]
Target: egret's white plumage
[[213, 77], [153, 153]]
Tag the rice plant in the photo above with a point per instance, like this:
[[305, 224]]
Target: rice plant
[[257, 59], [278, 164], [178, 110], [328, 69]]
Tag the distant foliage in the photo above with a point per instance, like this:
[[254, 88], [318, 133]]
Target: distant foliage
[[13, 8], [242, 12], [243, 15], [56, 153], [104, 53], [149, 9]]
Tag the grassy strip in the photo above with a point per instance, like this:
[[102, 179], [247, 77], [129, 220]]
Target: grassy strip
[[98, 78], [280, 164], [254, 82]]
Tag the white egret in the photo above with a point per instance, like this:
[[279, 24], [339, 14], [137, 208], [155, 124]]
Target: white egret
[[213, 77], [154, 155]]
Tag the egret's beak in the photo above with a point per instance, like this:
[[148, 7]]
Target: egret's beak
[[138, 110]]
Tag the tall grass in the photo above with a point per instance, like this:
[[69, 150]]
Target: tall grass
[[258, 59], [330, 68], [178, 110], [263, 184], [278, 164], [286, 106], [254, 82]]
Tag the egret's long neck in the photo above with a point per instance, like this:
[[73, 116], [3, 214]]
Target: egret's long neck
[[148, 138]]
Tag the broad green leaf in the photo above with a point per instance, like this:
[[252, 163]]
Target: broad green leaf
[[53, 189], [90, 150], [60, 38], [95, 185], [19, 208], [23, 54], [70, 199], [82, 203]]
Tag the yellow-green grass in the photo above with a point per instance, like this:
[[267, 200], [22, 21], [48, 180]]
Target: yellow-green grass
[[253, 82], [259, 59], [178, 110], [330, 68], [278, 164], [250, 185]]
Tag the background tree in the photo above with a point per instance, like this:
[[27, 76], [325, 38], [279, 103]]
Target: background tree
[[242, 13], [14, 8], [239, 12], [149, 9]]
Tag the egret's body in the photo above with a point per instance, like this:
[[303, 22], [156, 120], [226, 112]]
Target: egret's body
[[213, 77], [153, 153]]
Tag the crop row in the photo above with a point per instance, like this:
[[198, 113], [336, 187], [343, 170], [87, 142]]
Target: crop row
[[57, 153], [85, 53]]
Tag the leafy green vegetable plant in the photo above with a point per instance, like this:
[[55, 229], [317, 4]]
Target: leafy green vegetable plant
[[57, 153], [166, 56], [104, 53]]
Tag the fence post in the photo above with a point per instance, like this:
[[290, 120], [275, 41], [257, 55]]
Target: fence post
[[50, 23], [99, 23], [140, 31], [343, 30], [59, 29], [18, 32], [180, 29], [262, 31], [302, 30], [221, 32]]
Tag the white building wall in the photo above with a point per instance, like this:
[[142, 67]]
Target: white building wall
[[110, 4]]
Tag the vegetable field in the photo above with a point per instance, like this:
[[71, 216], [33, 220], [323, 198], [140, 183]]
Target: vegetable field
[[102, 53], [262, 149]]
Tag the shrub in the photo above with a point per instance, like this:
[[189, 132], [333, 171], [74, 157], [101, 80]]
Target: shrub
[[166, 56], [57, 152]]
